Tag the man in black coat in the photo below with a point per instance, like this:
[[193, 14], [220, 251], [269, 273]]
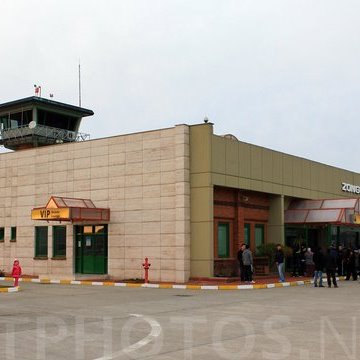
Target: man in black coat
[[330, 265], [241, 265]]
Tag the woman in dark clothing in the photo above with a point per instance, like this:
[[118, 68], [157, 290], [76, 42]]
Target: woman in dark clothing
[[350, 265], [330, 265]]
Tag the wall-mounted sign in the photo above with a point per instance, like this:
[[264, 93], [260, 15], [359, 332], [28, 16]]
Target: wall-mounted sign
[[50, 214], [350, 188]]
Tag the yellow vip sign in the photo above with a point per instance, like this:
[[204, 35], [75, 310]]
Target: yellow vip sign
[[50, 214]]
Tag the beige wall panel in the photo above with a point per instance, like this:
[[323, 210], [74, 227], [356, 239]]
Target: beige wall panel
[[151, 240], [133, 252], [153, 254], [305, 174], [167, 214], [167, 227], [82, 163], [116, 158], [149, 135], [131, 144], [256, 185], [151, 179], [116, 170], [165, 165], [99, 184], [203, 179], [167, 177], [287, 170], [201, 204], [256, 163], [150, 215], [231, 158], [267, 165], [218, 155], [167, 202], [316, 176], [153, 166], [231, 181], [201, 247], [268, 187], [200, 146], [99, 172], [244, 183], [297, 169], [99, 148], [149, 228]]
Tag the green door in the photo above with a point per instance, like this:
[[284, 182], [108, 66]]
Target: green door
[[91, 249]]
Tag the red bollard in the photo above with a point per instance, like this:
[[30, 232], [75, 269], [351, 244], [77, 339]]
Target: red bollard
[[146, 266]]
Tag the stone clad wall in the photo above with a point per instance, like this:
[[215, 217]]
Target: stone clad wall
[[143, 178]]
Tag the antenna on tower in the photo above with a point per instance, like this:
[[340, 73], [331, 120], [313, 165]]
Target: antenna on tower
[[79, 85]]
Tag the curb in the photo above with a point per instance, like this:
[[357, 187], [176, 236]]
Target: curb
[[162, 286], [10, 289]]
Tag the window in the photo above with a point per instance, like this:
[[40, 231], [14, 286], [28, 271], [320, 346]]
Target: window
[[2, 234], [41, 241], [259, 235], [247, 234], [13, 233], [59, 241], [223, 240]]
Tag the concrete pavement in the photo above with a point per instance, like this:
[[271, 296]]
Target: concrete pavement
[[47, 321]]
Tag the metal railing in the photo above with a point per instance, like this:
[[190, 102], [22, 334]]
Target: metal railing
[[58, 135]]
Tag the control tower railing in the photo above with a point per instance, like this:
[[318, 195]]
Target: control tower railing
[[52, 134]]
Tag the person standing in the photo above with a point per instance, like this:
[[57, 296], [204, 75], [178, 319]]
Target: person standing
[[302, 260], [248, 263], [309, 263], [279, 260], [350, 265], [241, 265], [16, 272], [340, 261], [319, 260], [330, 264]]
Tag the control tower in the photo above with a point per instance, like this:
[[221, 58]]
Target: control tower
[[35, 121]]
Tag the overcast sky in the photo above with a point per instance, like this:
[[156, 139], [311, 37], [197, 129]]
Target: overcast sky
[[282, 74]]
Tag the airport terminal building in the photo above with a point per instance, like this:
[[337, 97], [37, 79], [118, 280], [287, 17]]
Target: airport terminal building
[[182, 196]]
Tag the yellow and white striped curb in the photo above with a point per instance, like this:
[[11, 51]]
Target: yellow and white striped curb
[[10, 289], [166, 286]]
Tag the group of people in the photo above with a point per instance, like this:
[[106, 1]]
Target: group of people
[[340, 261], [305, 262]]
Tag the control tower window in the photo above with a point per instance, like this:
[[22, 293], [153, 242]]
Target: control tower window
[[55, 120], [15, 120]]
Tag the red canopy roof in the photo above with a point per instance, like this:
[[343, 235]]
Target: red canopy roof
[[336, 211]]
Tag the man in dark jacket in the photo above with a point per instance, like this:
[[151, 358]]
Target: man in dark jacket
[[279, 260], [319, 260], [241, 265], [330, 265], [350, 265], [248, 263]]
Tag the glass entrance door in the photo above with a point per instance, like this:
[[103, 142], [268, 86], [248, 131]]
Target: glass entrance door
[[91, 249]]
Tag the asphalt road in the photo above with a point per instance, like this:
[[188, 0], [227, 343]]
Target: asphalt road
[[46, 321]]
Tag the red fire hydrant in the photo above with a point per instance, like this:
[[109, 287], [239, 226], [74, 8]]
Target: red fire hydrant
[[146, 266]]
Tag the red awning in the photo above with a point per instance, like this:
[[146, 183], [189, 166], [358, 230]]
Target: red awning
[[335, 211]]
